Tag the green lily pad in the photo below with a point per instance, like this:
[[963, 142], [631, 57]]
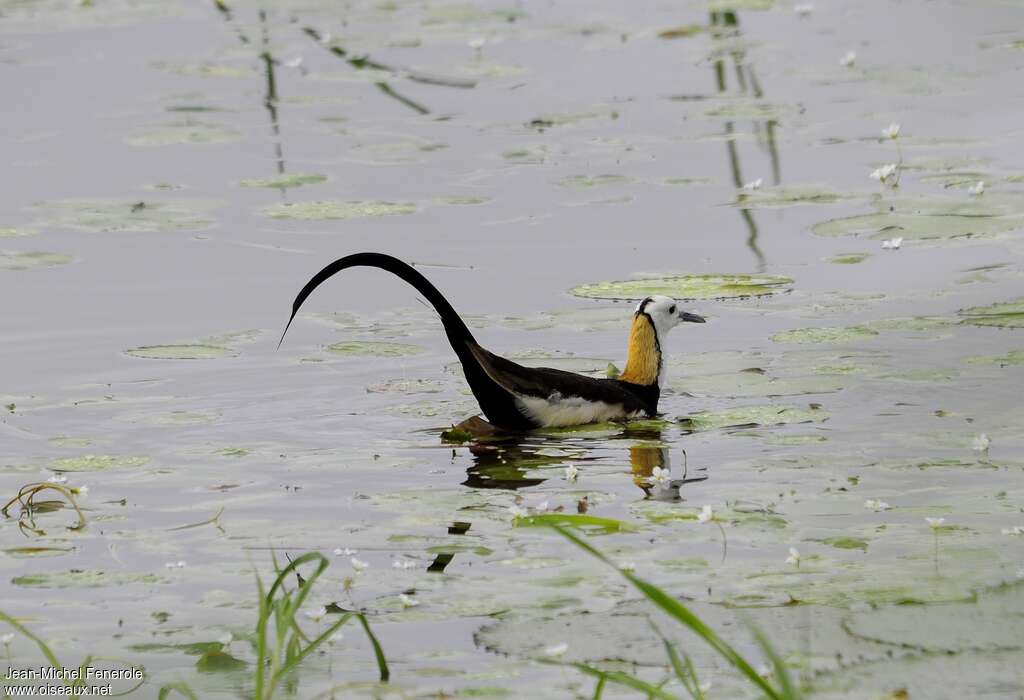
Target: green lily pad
[[587, 181], [126, 215], [29, 552], [849, 258], [92, 463], [687, 287], [89, 578], [744, 416], [845, 542], [587, 523], [1007, 314], [285, 181], [218, 661], [181, 352], [13, 260], [184, 132], [844, 334], [374, 348], [337, 210]]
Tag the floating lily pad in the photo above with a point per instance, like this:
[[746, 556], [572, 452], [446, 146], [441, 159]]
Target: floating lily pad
[[218, 662], [462, 201], [588, 523], [788, 196], [744, 416], [126, 215], [183, 132], [92, 463], [285, 181], [530, 154], [374, 348], [845, 542], [844, 334], [1007, 314], [181, 352], [1014, 357], [587, 181], [337, 210], [29, 552], [687, 287], [13, 260], [11, 232], [89, 578], [849, 258]]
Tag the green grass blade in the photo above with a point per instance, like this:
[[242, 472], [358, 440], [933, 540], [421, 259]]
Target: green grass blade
[[789, 690], [180, 688], [378, 651], [619, 678]]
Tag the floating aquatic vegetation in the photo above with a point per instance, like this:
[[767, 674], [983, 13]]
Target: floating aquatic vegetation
[[92, 463], [406, 386], [1013, 357], [374, 348], [183, 132], [788, 196], [849, 258], [285, 181], [26, 498], [337, 210], [205, 69], [587, 523], [461, 201], [751, 384], [14, 260], [687, 287], [13, 232], [527, 154], [844, 542], [844, 334], [126, 215], [746, 416], [588, 181], [1007, 314], [181, 352], [85, 578]]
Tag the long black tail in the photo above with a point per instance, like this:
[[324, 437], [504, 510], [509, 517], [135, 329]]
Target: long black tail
[[457, 331]]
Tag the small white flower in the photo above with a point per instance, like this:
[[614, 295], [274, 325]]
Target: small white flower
[[977, 189], [794, 557], [981, 443], [627, 566], [7, 638], [226, 639], [82, 490], [476, 43], [175, 565], [404, 564], [753, 184], [892, 243], [876, 504], [408, 601], [884, 173], [848, 59], [706, 515], [891, 131], [358, 564], [542, 507], [518, 511], [571, 472], [935, 523], [557, 650], [316, 615], [57, 479], [326, 38], [659, 476], [803, 9], [338, 552], [1017, 530], [293, 62]]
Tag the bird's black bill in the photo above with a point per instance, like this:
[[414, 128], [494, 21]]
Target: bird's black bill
[[692, 318]]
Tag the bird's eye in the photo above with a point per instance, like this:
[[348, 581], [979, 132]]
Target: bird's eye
[[672, 309]]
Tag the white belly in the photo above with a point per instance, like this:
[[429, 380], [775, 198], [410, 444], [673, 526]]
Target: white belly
[[557, 410]]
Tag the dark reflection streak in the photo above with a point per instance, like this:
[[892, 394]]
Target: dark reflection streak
[[270, 100], [390, 92], [729, 19], [225, 12], [769, 129]]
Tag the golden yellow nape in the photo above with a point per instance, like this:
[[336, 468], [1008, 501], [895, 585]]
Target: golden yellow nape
[[643, 361]]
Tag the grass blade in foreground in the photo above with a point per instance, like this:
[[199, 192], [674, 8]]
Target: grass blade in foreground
[[685, 616]]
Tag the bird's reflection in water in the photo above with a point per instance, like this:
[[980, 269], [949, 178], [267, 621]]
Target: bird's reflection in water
[[652, 472]]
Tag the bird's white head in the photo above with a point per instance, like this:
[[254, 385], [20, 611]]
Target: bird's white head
[[665, 313]]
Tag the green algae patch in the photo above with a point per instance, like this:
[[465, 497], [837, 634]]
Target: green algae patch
[[336, 209], [844, 542], [843, 334], [587, 523], [687, 287], [373, 348], [588, 181], [285, 181], [1007, 314], [1013, 357], [126, 215], [181, 352], [31, 260], [184, 132], [94, 463], [88, 578], [849, 258], [749, 416]]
